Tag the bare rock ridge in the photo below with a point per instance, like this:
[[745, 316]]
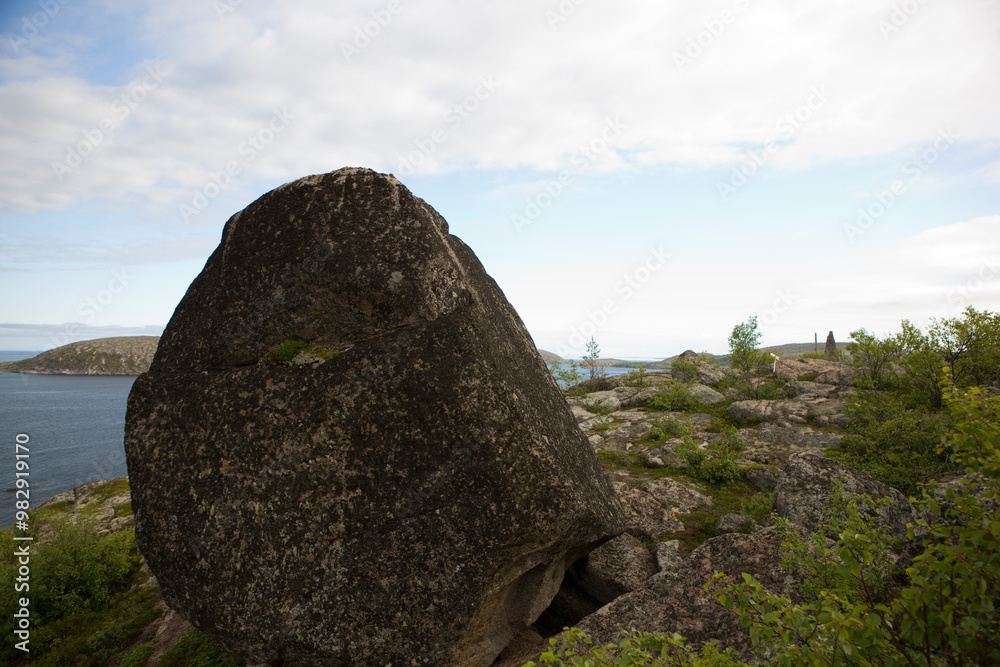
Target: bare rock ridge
[[123, 355], [347, 450]]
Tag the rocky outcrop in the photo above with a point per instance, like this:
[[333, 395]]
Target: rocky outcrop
[[551, 357], [413, 495], [126, 355], [808, 481], [676, 601], [615, 568], [816, 370], [651, 508]]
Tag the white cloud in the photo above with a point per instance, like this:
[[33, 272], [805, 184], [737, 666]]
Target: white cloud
[[558, 87]]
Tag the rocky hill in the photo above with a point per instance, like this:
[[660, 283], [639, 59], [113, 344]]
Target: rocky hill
[[551, 358], [126, 355]]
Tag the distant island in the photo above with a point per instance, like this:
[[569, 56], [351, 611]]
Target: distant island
[[125, 355]]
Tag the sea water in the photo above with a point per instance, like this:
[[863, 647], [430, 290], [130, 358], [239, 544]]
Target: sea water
[[76, 426]]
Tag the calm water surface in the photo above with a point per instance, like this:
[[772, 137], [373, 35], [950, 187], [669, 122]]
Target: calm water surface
[[76, 425]]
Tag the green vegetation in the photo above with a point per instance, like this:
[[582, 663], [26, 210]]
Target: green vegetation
[[637, 378], [197, 649], [137, 657], [745, 357], [85, 604], [292, 348], [594, 370], [675, 398], [858, 607]]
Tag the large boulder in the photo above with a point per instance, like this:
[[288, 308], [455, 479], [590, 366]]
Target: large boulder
[[412, 493], [808, 482]]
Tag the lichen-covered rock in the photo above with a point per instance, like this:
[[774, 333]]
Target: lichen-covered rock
[[675, 600], [764, 478], [614, 568], [705, 395], [413, 497], [735, 523], [651, 508], [808, 481]]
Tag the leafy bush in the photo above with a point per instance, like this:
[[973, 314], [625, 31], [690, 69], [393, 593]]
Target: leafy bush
[[744, 355], [636, 378], [731, 442], [892, 441], [568, 377], [718, 470], [675, 398], [632, 648], [683, 370], [82, 601]]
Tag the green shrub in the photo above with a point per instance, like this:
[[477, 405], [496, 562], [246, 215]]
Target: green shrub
[[137, 657], [197, 649], [83, 604], [636, 378], [683, 370], [731, 442], [718, 470], [675, 398], [892, 441]]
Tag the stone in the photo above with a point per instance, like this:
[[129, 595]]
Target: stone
[[817, 370], [675, 601], [807, 483], [735, 523], [831, 347], [650, 508], [764, 478], [705, 395], [668, 556], [416, 498], [615, 568]]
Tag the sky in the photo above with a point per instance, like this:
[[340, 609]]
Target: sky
[[646, 173]]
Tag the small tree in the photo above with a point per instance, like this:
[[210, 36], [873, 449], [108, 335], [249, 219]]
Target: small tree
[[874, 357], [590, 360], [744, 355]]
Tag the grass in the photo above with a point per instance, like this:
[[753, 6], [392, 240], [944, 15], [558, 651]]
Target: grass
[[197, 649], [736, 497], [291, 348]]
